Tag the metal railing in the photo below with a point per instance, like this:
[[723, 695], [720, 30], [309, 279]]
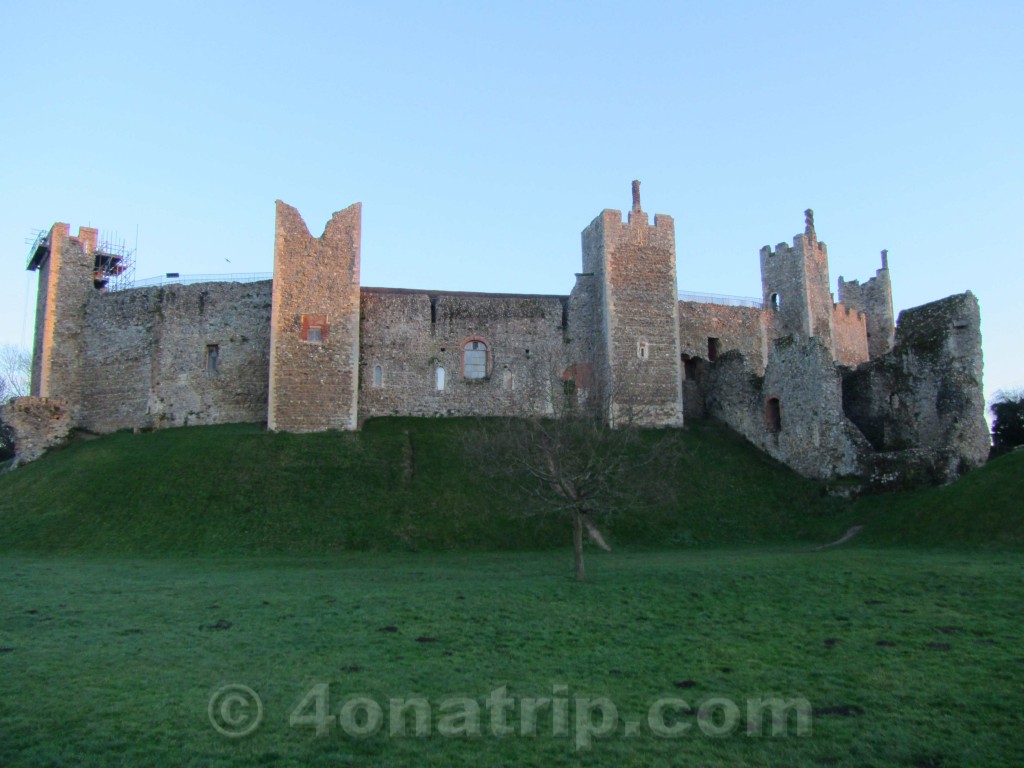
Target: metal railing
[[173, 279], [715, 298], [40, 238]]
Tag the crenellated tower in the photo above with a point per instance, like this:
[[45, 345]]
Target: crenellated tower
[[314, 325], [795, 285], [637, 363], [874, 299]]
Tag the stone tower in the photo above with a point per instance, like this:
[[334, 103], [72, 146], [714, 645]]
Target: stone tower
[[67, 268], [795, 284], [874, 299], [636, 316], [314, 325]]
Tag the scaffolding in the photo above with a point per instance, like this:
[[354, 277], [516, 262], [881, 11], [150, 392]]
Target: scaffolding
[[115, 264], [113, 260]]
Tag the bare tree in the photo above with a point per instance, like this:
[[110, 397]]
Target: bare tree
[[15, 377], [573, 464], [15, 372]]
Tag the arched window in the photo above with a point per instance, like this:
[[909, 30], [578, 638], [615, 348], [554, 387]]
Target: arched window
[[773, 414], [642, 350], [439, 379], [378, 376], [776, 301], [474, 359]]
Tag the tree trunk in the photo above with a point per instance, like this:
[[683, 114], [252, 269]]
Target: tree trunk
[[577, 544]]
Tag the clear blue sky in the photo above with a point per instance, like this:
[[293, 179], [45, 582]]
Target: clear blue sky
[[482, 137]]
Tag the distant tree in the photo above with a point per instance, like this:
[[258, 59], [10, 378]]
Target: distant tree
[[15, 372], [572, 464], [15, 377], [1008, 428]]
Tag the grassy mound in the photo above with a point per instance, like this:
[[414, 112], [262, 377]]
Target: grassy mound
[[405, 484], [399, 484], [984, 508]]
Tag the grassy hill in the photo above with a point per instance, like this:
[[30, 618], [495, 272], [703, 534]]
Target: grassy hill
[[405, 484]]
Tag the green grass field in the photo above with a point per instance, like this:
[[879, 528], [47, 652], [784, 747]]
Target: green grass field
[[141, 574], [907, 658]]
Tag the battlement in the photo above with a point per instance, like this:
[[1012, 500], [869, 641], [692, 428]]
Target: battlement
[[874, 298], [45, 242], [662, 221]]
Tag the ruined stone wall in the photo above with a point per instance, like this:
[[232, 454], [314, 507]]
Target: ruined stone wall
[[407, 336], [795, 413], [635, 265], [874, 298], [927, 393], [38, 424], [849, 336], [65, 285], [314, 347], [176, 355], [733, 328], [585, 338], [733, 395]]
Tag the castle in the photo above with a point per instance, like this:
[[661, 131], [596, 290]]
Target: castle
[[830, 388]]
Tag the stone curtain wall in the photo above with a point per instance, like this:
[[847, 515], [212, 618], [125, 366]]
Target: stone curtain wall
[[313, 385], [410, 334], [147, 355], [38, 424], [736, 328], [635, 265], [849, 336]]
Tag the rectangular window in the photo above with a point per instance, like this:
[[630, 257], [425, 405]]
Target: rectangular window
[[314, 328], [212, 357]]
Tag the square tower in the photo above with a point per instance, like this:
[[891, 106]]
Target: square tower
[[68, 267], [637, 363], [314, 325], [796, 286]]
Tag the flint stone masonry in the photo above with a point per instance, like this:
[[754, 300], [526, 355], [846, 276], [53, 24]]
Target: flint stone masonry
[[313, 384], [874, 299], [927, 393], [638, 316], [38, 424], [147, 349], [849, 336], [831, 389], [814, 436], [65, 284], [410, 334], [743, 329]]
